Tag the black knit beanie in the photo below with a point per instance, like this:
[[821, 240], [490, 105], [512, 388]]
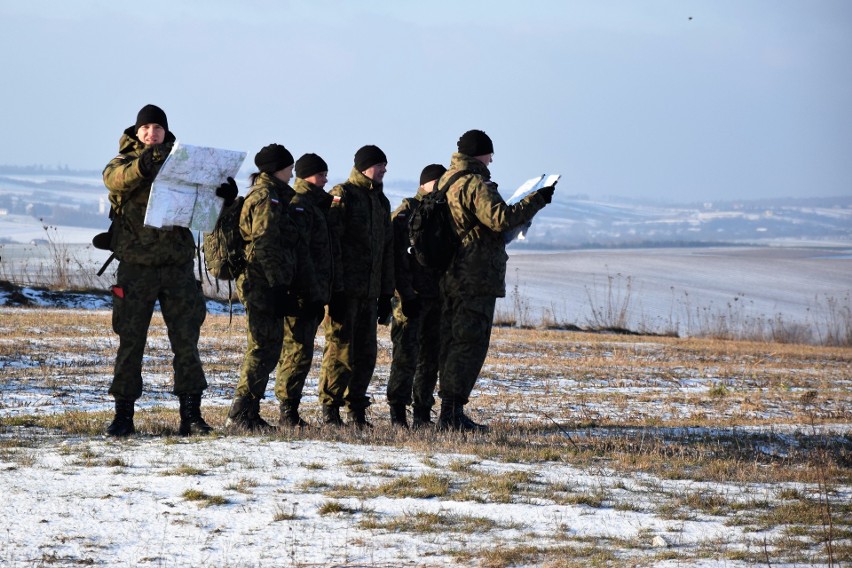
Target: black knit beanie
[[273, 158], [310, 164], [367, 156], [475, 143], [152, 114], [431, 173]]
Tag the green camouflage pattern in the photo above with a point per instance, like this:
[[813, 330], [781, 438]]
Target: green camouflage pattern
[[410, 277], [264, 334], [137, 289], [271, 235], [315, 279], [349, 358], [360, 214], [360, 217], [296, 357], [272, 253], [416, 354], [314, 283], [128, 194], [481, 216], [465, 334]]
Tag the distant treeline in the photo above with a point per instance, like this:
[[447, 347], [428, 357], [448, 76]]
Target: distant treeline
[[40, 169]]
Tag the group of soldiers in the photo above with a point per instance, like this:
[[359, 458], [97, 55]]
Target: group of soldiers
[[338, 259]]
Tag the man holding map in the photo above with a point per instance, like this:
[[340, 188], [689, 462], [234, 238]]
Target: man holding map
[[154, 264], [476, 276]]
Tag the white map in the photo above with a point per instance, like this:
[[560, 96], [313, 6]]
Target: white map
[[526, 188], [184, 192]]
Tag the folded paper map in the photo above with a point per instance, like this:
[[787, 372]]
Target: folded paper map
[[184, 192], [526, 188]]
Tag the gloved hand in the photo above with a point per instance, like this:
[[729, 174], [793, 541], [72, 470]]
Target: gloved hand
[[153, 154], [383, 309], [547, 192], [314, 310], [411, 307], [228, 191], [337, 306], [283, 302]]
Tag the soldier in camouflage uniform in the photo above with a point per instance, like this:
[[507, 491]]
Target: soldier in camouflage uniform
[[264, 286], [360, 214], [154, 264], [415, 329], [314, 284], [477, 275]]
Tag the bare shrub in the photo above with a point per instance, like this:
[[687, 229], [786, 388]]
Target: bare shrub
[[611, 308]]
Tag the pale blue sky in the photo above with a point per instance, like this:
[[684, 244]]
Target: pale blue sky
[[748, 99]]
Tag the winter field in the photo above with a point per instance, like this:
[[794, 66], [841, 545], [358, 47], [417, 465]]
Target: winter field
[[606, 449]]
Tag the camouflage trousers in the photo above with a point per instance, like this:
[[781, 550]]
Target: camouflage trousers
[[416, 349], [465, 334], [297, 354], [137, 290], [349, 358], [265, 337]]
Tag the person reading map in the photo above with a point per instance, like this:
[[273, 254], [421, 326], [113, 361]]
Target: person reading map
[[155, 264]]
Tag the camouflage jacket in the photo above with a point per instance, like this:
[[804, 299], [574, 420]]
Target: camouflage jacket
[[410, 277], [360, 213], [315, 280], [271, 235], [128, 189], [481, 215]]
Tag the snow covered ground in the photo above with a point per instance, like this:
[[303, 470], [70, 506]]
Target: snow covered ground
[[306, 500], [377, 498]]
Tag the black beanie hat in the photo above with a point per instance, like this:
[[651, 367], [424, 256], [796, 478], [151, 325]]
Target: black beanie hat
[[475, 143], [431, 172], [273, 158], [151, 114], [367, 156], [310, 164]]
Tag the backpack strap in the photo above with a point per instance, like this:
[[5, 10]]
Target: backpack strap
[[453, 179]]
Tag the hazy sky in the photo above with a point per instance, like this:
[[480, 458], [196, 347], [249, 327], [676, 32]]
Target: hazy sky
[[675, 99]]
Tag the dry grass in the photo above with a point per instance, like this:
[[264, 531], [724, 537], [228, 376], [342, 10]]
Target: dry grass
[[704, 410]]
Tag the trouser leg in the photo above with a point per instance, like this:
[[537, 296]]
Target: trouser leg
[[184, 311], [264, 334], [365, 350], [406, 346], [336, 370], [296, 357], [468, 321], [134, 296], [428, 356]]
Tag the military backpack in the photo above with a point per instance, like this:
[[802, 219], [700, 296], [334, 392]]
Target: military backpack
[[224, 247], [431, 229]]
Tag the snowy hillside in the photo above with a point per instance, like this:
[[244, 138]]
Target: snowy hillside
[[77, 206]]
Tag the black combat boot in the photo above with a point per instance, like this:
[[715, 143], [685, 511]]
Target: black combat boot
[[398, 416], [258, 423], [290, 415], [358, 418], [331, 415], [421, 417], [122, 424], [191, 421], [453, 418], [245, 413]]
